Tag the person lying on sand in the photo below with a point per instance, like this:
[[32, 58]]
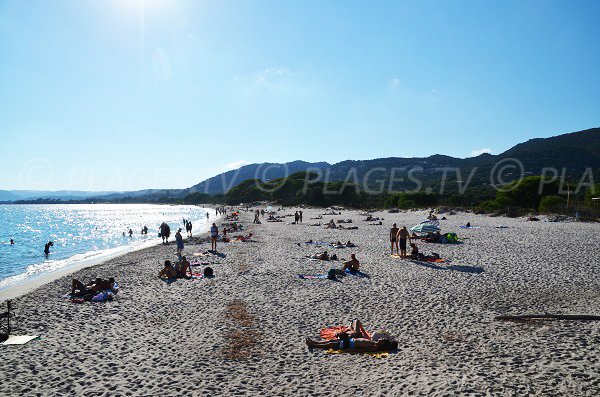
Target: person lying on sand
[[356, 330], [168, 272], [93, 287], [350, 244], [353, 265], [354, 344], [324, 256]]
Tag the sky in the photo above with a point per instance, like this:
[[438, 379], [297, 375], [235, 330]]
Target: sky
[[132, 94]]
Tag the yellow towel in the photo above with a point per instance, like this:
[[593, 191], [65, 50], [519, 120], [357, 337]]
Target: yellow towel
[[372, 354]]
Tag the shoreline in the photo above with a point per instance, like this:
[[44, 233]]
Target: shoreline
[[27, 285]]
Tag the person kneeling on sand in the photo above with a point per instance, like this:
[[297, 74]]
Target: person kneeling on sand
[[168, 271], [353, 265]]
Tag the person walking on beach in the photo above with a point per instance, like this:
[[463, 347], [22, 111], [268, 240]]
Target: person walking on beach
[[296, 217], [403, 235], [189, 229], [394, 239], [47, 247], [130, 233], [214, 233], [300, 216], [165, 232], [207, 216], [179, 241]]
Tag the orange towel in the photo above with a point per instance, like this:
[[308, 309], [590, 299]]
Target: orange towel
[[330, 332]]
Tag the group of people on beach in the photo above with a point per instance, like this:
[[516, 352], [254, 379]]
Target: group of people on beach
[[399, 239], [188, 227]]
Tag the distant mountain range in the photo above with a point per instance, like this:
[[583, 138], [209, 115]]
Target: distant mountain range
[[575, 152]]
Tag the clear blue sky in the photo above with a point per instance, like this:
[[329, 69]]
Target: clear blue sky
[[131, 94]]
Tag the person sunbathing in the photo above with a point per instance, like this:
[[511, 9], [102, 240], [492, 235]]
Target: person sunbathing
[[93, 287], [354, 344], [350, 245], [353, 265], [168, 272], [324, 256], [183, 267], [356, 330]]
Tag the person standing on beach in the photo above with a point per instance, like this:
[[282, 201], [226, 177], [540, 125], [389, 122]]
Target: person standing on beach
[[300, 216], [214, 233], [296, 217], [179, 241], [207, 216], [403, 235], [394, 239], [189, 229], [12, 242]]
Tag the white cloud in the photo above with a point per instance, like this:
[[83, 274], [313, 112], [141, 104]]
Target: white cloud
[[236, 164], [394, 82], [478, 152]]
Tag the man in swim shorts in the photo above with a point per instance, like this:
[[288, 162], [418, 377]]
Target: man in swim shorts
[[394, 239], [403, 236], [353, 264]]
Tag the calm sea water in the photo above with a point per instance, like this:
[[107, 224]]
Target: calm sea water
[[80, 232]]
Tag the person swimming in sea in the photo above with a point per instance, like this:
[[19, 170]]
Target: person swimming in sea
[[47, 247]]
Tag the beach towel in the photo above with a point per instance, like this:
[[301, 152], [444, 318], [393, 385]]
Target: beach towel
[[197, 275], [372, 354], [357, 274], [19, 339], [312, 276], [432, 259], [469, 227], [330, 333]]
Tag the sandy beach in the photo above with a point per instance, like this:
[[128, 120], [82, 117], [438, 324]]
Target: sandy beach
[[183, 339]]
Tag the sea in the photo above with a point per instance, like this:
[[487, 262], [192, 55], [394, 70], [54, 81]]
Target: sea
[[82, 233]]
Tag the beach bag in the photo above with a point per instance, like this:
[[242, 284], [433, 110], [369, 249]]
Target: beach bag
[[208, 272], [452, 237]]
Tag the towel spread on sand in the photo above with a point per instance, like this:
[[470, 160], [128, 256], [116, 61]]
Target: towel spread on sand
[[19, 339], [330, 333], [312, 276], [372, 354]]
